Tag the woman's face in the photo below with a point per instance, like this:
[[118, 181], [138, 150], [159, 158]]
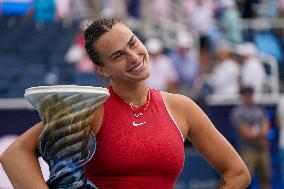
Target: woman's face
[[124, 56]]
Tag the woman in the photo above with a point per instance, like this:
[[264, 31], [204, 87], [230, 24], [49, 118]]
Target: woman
[[139, 131]]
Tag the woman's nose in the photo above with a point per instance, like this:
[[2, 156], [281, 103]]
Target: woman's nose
[[132, 56]]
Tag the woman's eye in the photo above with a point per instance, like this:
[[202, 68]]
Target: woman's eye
[[133, 44], [119, 55]]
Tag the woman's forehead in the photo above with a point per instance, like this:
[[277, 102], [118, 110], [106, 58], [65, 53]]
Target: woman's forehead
[[115, 39]]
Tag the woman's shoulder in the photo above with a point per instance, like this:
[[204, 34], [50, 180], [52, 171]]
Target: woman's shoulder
[[176, 99], [179, 103]]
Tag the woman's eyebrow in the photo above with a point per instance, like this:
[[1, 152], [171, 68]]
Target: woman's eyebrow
[[131, 39]]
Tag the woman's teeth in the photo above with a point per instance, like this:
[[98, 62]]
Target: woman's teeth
[[138, 67]]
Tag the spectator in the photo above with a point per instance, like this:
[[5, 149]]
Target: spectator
[[44, 11], [163, 75], [268, 9], [133, 8], [80, 10], [252, 125], [62, 9], [231, 21], [161, 9], [185, 61], [77, 54], [252, 70], [117, 8], [280, 6], [224, 78], [202, 20], [248, 8]]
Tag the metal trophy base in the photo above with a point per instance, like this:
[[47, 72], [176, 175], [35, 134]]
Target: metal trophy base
[[66, 142]]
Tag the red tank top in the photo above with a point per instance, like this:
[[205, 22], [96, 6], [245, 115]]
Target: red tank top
[[137, 152]]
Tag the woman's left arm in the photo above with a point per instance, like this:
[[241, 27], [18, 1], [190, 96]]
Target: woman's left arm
[[213, 146]]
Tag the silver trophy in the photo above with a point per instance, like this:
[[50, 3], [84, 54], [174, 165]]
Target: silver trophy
[[67, 142]]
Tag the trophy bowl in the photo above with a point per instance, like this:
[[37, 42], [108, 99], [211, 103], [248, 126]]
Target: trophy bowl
[[66, 142]]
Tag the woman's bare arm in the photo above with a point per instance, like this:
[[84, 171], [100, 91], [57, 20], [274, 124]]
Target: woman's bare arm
[[20, 161], [211, 144]]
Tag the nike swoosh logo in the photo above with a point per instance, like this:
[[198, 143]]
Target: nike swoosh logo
[[137, 124]]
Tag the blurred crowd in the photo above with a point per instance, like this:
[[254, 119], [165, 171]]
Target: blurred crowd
[[210, 54]]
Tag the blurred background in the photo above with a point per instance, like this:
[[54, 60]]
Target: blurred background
[[204, 49]]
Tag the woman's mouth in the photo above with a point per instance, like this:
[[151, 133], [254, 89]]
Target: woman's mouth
[[137, 68]]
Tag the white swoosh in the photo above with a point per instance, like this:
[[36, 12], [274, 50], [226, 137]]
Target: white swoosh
[[137, 124]]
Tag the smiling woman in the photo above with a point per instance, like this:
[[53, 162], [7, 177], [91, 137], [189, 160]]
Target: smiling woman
[[123, 55], [139, 131]]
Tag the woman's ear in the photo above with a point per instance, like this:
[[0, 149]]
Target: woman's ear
[[101, 71]]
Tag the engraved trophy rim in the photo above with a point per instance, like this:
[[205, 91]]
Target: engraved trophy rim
[[65, 89]]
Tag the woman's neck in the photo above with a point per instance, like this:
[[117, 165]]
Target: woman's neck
[[132, 94]]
